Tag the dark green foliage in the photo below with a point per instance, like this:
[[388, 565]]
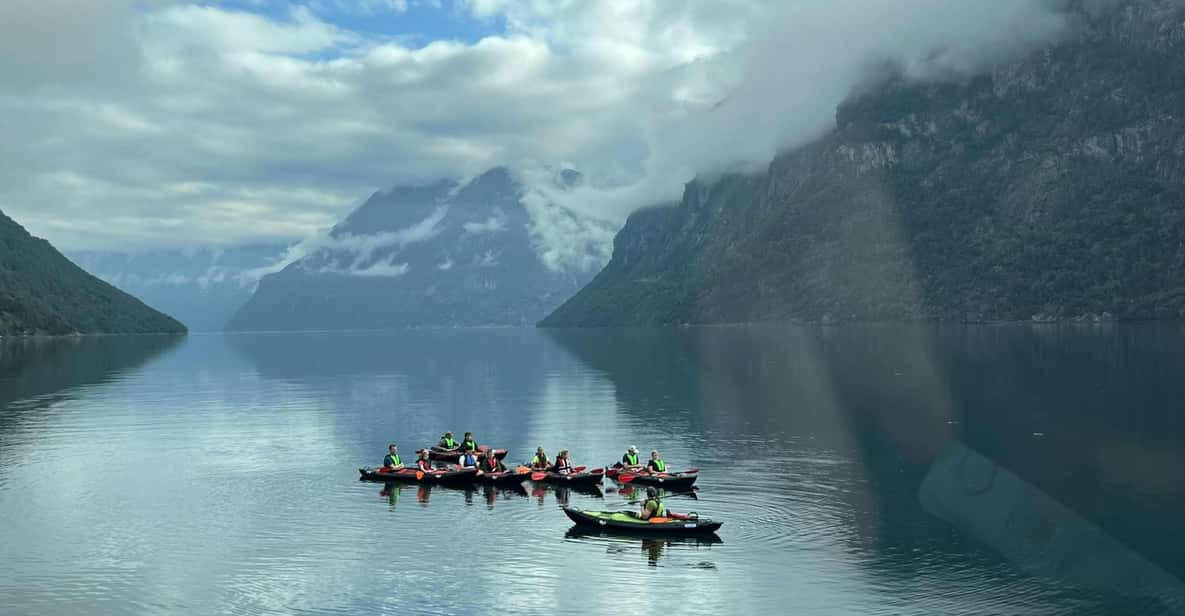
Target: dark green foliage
[[42, 292], [1052, 188]]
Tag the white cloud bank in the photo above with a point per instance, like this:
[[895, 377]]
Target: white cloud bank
[[130, 124]]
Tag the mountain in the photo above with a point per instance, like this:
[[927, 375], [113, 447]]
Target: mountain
[[442, 254], [1050, 187], [42, 292], [202, 288]]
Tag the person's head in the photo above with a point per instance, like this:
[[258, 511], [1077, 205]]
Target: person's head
[[423, 454], [392, 448], [490, 453], [448, 435], [654, 455], [651, 492], [539, 450], [469, 436], [634, 449], [563, 453]]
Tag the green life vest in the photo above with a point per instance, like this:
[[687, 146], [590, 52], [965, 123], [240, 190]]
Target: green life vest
[[632, 458], [660, 466], [448, 442], [395, 461], [539, 460], [660, 510], [469, 445]]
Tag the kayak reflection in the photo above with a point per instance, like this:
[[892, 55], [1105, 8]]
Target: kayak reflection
[[563, 494], [652, 547], [634, 495]]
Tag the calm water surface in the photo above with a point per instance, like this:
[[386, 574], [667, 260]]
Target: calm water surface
[[858, 470]]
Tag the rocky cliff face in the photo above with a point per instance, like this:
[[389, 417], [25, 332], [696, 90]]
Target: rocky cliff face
[[442, 254], [1051, 187]]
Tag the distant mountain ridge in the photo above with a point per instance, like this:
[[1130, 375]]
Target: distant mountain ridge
[[439, 254], [44, 293], [202, 288], [1049, 188]]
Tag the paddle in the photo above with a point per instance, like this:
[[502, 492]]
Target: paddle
[[659, 520], [538, 476], [419, 475]]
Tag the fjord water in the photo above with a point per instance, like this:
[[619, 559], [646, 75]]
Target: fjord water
[[858, 470]]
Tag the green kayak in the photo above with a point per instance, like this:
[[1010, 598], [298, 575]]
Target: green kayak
[[623, 520]]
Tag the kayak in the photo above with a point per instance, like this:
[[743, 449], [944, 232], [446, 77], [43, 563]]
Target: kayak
[[624, 521], [511, 477], [460, 475], [436, 452], [587, 478], [670, 481], [582, 532]]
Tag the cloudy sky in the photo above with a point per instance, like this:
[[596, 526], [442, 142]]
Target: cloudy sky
[[132, 125]]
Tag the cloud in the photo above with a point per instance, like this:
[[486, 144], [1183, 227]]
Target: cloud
[[383, 269], [495, 224], [345, 253], [148, 125]]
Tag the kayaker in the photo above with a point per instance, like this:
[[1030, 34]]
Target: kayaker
[[630, 460], [468, 459], [467, 443], [490, 463], [540, 461], [424, 463], [391, 461], [447, 441], [653, 506], [562, 465], [656, 465]]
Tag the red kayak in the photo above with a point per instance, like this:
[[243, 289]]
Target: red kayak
[[584, 478], [670, 481], [436, 452], [412, 475]]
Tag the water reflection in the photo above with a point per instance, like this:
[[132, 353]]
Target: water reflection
[[1036, 532], [1086, 419], [651, 547]]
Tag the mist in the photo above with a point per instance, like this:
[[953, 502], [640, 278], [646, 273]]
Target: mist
[[780, 90]]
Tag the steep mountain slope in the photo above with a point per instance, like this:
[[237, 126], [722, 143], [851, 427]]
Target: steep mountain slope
[[440, 254], [1051, 187], [42, 292], [201, 288]]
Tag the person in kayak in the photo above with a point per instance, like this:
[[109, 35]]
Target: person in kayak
[[540, 461], [630, 460], [448, 442], [424, 464], [391, 461], [467, 443], [656, 464], [490, 463], [653, 506], [468, 460], [562, 464]]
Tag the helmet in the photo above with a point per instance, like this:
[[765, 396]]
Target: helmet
[[652, 492], [634, 448]]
